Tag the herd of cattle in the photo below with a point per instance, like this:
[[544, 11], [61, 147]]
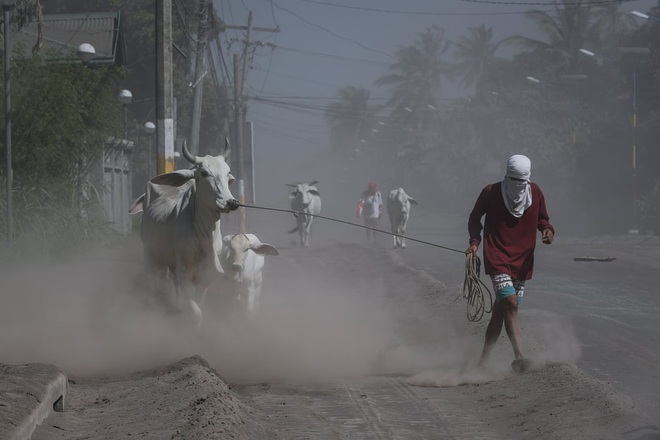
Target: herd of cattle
[[183, 245]]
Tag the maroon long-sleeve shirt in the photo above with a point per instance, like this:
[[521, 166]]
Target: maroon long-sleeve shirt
[[509, 242]]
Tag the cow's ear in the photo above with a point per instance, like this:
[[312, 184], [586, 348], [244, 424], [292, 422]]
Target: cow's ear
[[315, 192], [175, 178], [265, 249], [137, 206], [231, 178], [411, 200]]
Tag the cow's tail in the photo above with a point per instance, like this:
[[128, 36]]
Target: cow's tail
[[294, 230]]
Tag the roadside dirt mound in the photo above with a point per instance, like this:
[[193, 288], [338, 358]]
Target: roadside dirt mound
[[184, 400]]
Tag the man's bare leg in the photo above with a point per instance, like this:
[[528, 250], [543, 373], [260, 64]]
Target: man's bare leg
[[511, 324], [492, 332]]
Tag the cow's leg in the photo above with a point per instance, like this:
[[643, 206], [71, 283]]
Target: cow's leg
[[301, 232], [252, 297], [155, 281], [308, 233], [394, 237], [185, 298], [403, 232]]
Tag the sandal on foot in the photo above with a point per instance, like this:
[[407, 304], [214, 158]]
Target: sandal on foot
[[521, 365]]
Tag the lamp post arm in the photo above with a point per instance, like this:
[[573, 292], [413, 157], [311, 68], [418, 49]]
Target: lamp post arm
[[644, 16]]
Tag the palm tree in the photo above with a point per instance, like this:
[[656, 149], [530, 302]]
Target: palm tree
[[416, 76], [475, 52], [350, 118], [567, 29], [612, 23]]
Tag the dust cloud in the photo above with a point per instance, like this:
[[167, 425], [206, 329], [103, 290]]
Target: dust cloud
[[88, 316], [327, 312]]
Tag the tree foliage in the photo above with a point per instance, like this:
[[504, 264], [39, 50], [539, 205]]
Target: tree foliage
[[578, 128]]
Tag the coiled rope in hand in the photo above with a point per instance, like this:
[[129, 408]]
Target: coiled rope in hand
[[472, 290]]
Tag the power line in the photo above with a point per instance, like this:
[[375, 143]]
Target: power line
[[334, 98], [459, 14], [298, 78], [272, 11], [329, 31], [576, 4], [335, 57]]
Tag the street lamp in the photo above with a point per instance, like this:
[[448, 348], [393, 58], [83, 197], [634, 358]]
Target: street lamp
[[644, 16], [86, 53], [638, 51], [149, 128], [125, 97]]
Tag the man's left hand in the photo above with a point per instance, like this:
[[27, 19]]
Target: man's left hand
[[548, 236]]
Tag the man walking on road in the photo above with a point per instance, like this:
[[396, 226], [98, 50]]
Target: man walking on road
[[370, 207], [515, 210]]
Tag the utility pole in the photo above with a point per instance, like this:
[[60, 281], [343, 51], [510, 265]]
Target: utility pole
[[238, 130], [199, 73], [164, 89], [240, 77], [6, 10]]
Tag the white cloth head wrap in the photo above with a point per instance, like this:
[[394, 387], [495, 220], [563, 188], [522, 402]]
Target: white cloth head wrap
[[516, 190]]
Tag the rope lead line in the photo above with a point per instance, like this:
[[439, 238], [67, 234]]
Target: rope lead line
[[297, 213], [472, 290], [476, 301]]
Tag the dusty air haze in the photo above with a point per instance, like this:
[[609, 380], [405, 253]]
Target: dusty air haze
[[336, 311]]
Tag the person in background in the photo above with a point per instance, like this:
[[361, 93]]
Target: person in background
[[370, 208], [514, 209]]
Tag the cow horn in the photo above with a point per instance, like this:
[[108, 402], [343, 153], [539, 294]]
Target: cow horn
[[227, 150], [313, 182], [188, 155], [291, 185]]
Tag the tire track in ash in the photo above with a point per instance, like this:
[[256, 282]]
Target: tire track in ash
[[373, 408], [458, 423]]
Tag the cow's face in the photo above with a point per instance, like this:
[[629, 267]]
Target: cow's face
[[212, 180], [402, 201], [234, 253], [304, 193], [235, 250], [399, 199]]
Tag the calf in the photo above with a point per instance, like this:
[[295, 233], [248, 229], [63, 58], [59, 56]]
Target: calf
[[242, 259], [398, 209]]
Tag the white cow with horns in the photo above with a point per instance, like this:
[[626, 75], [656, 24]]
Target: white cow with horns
[[398, 209], [305, 198], [180, 226], [243, 261]]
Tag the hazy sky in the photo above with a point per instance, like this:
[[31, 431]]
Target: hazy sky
[[324, 45]]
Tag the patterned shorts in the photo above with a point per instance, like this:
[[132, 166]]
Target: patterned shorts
[[505, 286]]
